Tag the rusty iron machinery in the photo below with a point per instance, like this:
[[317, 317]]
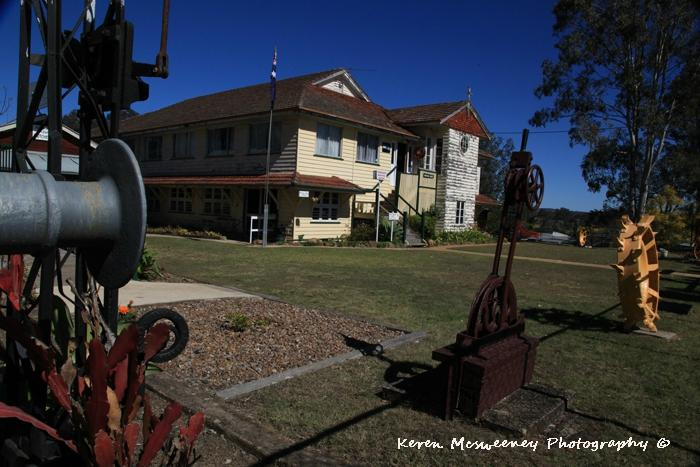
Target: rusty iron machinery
[[492, 357], [98, 215], [582, 236], [638, 274]]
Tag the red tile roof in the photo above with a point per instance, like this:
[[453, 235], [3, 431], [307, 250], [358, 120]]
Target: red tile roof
[[275, 179], [459, 118], [424, 113], [485, 199], [296, 93], [468, 123], [68, 142]]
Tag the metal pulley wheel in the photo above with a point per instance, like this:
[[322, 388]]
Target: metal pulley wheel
[[495, 306], [535, 187], [104, 216]]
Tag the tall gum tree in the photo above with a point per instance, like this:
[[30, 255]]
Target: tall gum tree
[[617, 64]]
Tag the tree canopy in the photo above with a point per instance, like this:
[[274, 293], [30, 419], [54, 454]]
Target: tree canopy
[[616, 79]]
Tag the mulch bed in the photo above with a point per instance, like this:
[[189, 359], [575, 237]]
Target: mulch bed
[[278, 337]]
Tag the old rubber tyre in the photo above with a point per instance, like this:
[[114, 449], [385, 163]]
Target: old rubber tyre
[[178, 327]]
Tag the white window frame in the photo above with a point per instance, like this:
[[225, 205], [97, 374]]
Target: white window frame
[[228, 150], [409, 162], [428, 160], [459, 212], [327, 207], [365, 144], [154, 143], [181, 200], [324, 137], [217, 202], [188, 139]]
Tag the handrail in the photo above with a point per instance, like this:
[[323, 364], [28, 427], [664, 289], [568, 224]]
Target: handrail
[[421, 214]]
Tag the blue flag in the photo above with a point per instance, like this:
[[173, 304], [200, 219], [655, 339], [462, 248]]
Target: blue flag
[[273, 80]]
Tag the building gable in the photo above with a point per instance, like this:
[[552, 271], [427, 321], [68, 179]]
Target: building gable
[[343, 83], [467, 121]]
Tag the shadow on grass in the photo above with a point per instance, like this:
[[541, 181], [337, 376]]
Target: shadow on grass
[[573, 320], [674, 307], [396, 369], [418, 385]]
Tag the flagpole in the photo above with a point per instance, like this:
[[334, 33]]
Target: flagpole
[[266, 212], [266, 209]]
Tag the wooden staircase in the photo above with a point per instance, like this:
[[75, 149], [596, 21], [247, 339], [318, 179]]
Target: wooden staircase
[[413, 238]]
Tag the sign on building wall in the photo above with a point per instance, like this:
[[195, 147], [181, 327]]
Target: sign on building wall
[[303, 193], [379, 175]]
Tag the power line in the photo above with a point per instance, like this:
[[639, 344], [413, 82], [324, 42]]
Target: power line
[[547, 131]]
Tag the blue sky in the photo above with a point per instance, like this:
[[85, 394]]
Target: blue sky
[[401, 52]]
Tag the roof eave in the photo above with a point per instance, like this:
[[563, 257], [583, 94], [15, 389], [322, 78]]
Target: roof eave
[[405, 134]]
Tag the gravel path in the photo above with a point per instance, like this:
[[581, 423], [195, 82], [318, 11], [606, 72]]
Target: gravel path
[[279, 336]]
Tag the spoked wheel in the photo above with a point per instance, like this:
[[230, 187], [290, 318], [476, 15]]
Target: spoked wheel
[[494, 307], [535, 187], [179, 332]]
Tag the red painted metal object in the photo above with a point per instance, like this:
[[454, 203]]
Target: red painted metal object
[[492, 357], [11, 280]]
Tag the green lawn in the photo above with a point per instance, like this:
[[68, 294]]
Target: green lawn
[[599, 255], [641, 384]]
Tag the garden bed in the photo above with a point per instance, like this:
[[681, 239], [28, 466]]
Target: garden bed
[[234, 340]]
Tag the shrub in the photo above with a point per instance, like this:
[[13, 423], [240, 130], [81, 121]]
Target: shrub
[[431, 216], [463, 236], [237, 321], [362, 232], [147, 269], [385, 230], [183, 232]]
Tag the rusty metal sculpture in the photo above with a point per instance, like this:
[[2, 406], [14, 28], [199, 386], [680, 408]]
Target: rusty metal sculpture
[[638, 273], [492, 358], [102, 214], [582, 236]]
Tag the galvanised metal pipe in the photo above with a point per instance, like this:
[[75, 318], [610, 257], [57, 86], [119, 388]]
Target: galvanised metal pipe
[[104, 216], [38, 211]]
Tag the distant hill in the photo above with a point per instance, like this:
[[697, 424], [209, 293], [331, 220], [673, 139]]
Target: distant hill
[[567, 221]]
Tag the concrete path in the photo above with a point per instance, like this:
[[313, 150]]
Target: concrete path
[[148, 293], [526, 258]]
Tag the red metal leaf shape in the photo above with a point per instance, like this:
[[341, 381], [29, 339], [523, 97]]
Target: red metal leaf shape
[[126, 342], [131, 435], [155, 340], [160, 433], [59, 389], [149, 420], [9, 411], [194, 427], [104, 450], [135, 377], [97, 405], [120, 374]]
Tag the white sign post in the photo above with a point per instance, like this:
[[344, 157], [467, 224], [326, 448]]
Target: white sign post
[[393, 217]]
